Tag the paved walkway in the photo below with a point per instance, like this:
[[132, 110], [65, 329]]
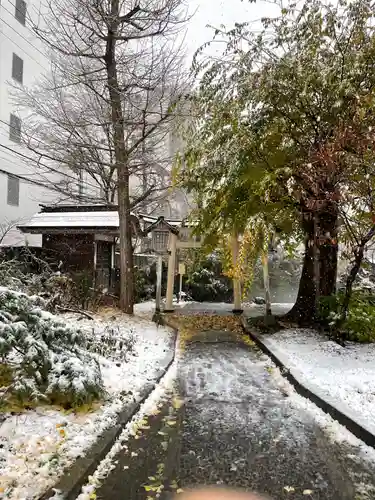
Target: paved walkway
[[240, 426]]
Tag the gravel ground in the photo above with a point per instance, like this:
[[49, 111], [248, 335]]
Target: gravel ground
[[245, 427]]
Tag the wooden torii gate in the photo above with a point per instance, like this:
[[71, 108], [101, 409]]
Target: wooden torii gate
[[183, 239]]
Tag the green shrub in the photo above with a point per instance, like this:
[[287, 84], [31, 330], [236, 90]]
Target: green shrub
[[360, 322], [359, 325], [47, 357], [207, 283], [328, 307]]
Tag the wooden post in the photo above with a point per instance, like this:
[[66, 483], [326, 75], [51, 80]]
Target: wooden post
[[113, 253], [180, 288], [159, 270], [181, 272], [171, 272], [95, 261], [266, 281], [237, 303]]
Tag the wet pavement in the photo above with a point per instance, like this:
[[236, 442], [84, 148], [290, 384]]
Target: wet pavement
[[243, 426], [146, 467]]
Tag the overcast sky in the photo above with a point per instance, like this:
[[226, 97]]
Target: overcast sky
[[217, 12]]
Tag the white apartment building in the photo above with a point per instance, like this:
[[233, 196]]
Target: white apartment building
[[24, 183]]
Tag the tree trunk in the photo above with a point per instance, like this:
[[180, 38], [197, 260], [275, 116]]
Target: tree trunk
[[304, 310], [328, 250], [126, 247], [121, 160], [359, 254]]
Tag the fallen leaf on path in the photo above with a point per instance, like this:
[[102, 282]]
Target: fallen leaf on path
[[289, 489]]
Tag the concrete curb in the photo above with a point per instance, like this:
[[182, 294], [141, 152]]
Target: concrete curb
[[336, 410], [70, 484]]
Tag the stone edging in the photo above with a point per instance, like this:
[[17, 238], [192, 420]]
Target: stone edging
[[70, 484], [336, 410]]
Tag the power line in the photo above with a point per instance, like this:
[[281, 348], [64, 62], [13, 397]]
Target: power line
[[40, 183], [21, 49], [7, 160], [51, 169], [23, 178], [18, 33], [43, 54], [50, 187], [27, 13]]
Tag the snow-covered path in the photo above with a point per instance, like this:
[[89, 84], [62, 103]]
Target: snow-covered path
[[245, 426]]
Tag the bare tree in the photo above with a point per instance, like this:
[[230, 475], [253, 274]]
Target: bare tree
[[106, 107]]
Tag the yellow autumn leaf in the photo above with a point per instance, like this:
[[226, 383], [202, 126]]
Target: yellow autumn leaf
[[180, 490], [289, 489], [177, 403], [307, 492]]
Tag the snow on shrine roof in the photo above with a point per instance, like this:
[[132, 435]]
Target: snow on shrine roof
[[81, 220], [73, 219], [150, 219]]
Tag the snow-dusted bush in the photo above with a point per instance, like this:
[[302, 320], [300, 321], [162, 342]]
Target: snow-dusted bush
[[111, 344], [207, 283], [45, 355], [360, 321]]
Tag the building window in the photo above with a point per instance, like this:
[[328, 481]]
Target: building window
[[20, 12], [13, 191], [17, 68], [15, 128]]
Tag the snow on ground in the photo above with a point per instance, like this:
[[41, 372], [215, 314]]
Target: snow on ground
[[147, 309], [336, 432], [37, 445], [149, 407], [347, 374]]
